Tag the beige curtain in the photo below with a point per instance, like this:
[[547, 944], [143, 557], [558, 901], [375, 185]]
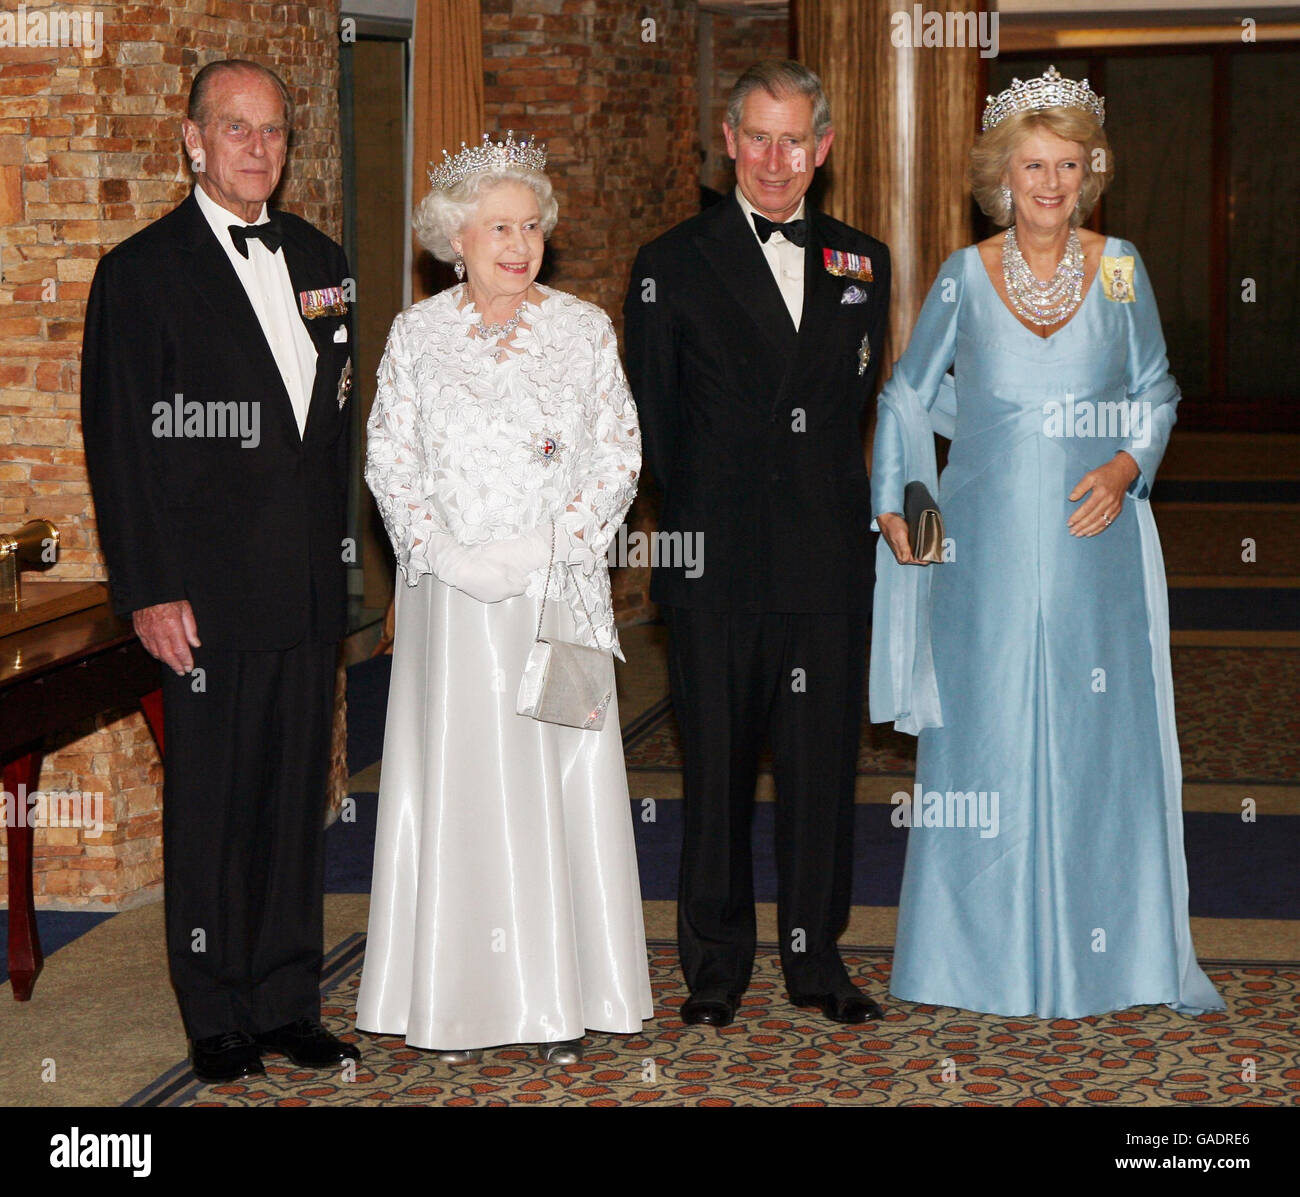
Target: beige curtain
[[905, 119], [448, 84]]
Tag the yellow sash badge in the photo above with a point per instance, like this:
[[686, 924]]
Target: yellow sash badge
[[1117, 279]]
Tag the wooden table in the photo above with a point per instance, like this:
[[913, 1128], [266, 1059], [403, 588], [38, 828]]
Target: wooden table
[[52, 676]]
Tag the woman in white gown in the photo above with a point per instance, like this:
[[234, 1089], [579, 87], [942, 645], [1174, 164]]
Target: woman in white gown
[[505, 906]]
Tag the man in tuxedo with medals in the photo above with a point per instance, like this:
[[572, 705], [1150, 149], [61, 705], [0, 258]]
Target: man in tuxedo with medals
[[216, 369], [752, 334]]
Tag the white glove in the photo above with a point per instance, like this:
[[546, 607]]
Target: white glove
[[440, 548], [483, 579], [521, 555], [469, 569]]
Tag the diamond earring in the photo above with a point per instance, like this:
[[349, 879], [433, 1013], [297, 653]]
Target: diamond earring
[[460, 267], [1006, 199]]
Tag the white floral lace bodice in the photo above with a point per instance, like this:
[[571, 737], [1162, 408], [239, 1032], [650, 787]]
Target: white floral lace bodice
[[485, 446]]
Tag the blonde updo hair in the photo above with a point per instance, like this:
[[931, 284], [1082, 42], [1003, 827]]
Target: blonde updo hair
[[991, 156], [443, 215]]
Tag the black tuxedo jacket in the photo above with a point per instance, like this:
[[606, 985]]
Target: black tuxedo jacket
[[752, 428], [250, 535]]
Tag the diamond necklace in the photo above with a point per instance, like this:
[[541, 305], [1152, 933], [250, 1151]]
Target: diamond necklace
[[1049, 302], [494, 332]]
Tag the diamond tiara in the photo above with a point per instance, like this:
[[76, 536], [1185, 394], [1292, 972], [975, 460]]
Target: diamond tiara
[[1050, 90], [472, 159]]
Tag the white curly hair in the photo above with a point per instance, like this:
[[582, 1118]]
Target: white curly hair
[[443, 215]]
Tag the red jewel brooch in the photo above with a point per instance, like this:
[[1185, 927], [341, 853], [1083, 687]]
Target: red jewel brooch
[[547, 448]]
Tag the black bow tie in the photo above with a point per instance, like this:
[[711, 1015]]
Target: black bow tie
[[268, 232], [795, 231]]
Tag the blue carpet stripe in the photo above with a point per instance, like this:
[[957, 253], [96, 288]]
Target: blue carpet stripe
[[1238, 870], [1248, 609], [637, 729]]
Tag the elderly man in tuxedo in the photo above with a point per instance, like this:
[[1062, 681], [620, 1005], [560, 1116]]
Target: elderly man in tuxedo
[[215, 375], [753, 335]]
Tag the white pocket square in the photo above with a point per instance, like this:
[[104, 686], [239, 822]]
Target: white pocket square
[[853, 294], [341, 333]]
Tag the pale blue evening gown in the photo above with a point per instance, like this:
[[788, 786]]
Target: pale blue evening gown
[[1078, 904]]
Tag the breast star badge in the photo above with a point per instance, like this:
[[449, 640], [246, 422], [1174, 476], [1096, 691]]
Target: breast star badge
[[546, 448]]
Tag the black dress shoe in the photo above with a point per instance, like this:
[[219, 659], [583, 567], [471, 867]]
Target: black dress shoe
[[709, 1011], [217, 1059], [841, 1007], [307, 1044]]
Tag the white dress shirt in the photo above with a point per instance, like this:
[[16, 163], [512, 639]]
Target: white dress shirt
[[784, 258], [265, 276]]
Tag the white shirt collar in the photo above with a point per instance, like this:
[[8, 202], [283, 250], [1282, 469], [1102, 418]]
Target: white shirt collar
[[220, 219], [749, 210]]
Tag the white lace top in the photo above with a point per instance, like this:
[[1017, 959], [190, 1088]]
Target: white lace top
[[484, 444]]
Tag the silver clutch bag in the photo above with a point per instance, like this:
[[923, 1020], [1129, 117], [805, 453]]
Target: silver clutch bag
[[564, 682]]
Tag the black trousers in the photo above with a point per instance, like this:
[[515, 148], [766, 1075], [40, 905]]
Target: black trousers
[[797, 680], [244, 796]]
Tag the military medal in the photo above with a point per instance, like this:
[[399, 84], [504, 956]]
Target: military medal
[[345, 384], [843, 264], [327, 301], [864, 354]]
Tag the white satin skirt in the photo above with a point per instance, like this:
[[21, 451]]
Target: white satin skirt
[[505, 906]]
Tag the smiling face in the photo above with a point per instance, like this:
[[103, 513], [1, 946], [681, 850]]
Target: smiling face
[[775, 151], [1045, 175], [502, 242], [243, 142]]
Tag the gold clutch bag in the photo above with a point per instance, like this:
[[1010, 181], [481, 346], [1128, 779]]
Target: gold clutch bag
[[563, 682], [924, 522]]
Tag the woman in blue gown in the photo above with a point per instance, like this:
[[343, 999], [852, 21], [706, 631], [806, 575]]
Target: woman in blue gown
[[1045, 870]]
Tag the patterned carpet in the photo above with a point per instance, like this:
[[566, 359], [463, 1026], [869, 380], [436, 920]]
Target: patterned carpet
[[1238, 720], [1236, 661], [779, 1056]]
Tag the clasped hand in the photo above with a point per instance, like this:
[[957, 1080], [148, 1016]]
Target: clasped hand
[[493, 571]]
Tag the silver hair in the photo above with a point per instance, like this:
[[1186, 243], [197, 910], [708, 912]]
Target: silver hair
[[780, 77], [443, 215], [198, 108]]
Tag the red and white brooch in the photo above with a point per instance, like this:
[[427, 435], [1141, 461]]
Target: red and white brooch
[[546, 448]]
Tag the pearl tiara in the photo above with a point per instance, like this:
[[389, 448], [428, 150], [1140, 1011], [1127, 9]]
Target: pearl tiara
[[471, 160], [1050, 90]]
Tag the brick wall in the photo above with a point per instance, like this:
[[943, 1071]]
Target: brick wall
[[89, 153], [739, 40], [618, 114]]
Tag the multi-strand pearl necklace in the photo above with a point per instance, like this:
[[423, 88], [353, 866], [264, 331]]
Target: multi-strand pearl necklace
[[1049, 302]]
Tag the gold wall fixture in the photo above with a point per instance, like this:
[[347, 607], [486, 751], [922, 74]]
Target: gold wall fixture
[[35, 544]]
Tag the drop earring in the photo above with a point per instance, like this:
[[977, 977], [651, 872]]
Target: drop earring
[[460, 268], [1006, 199]]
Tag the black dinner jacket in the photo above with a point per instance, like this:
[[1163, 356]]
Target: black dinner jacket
[[752, 428], [251, 536]]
